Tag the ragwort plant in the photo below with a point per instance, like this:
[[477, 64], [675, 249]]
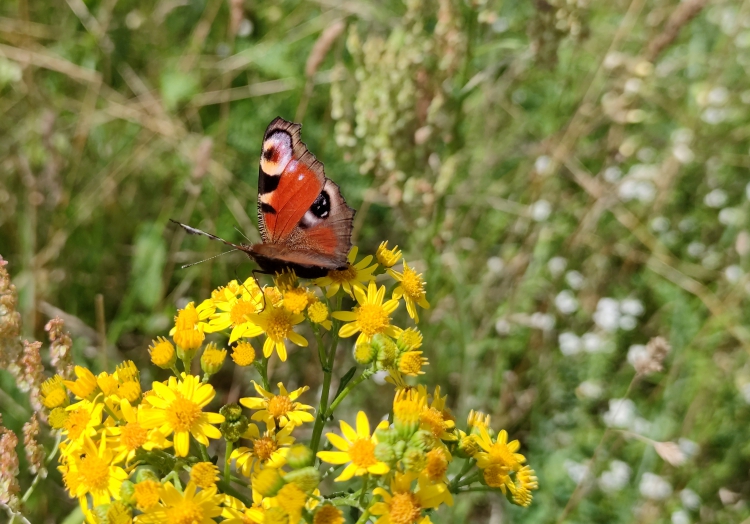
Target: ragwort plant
[[162, 453]]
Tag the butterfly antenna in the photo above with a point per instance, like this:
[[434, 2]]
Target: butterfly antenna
[[195, 231], [207, 259], [243, 234]]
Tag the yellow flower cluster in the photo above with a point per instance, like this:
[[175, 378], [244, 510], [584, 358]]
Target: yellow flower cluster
[[146, 456]]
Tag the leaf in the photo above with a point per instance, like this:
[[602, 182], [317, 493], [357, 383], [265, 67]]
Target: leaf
[[345, 380]]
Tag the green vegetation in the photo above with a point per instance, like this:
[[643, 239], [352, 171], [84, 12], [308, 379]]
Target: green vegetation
[[570, 176]]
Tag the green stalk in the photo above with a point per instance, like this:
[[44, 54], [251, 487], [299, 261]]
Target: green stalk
[[326, 363], [365, 481], [227, 461], [351, 385]]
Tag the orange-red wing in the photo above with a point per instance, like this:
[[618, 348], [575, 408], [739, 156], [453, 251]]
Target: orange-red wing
[[297, 205], [289, 181]]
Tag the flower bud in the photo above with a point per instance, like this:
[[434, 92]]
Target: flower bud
[[414, 459], [231, 412], [409, 340], [127, 492], [57, 418], [212, 359], [387, 435], [467, 446], [365, 353], [386, 351], [423, 440], [145, 473], [130, 391], [162, 353], [384, 452], [299, 456], [268, 482], [232, 431], [306, 479]]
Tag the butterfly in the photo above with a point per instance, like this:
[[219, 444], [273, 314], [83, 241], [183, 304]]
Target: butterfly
[[304, 222]]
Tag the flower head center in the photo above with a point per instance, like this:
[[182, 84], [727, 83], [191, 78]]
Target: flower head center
[[185, 512], [437, 464], [295, 300], [343, 275], [328, 515], [204, 474], [407, 410], [496, 475], [411, 363], [94, 473], [243, 354], [146, 494], [404, 508], [412, 284], [187, 318], [279, 324], [77, 422], [264, 447], [500, 454], [240, 311], [280, 405], [434, 420], [362, 453], [183, 413], [133, 436], [372, 319]]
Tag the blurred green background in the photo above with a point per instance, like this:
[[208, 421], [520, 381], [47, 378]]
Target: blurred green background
[[570, 176]]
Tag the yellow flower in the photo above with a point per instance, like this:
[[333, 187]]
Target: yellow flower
[[83, 419], [501, 452], [84, 386], [411, 362], [146, 494], [409, 339], [291, 499], [269, 449], [54, 394], [435, 417], [525, 481], [91, 471], [188, 330], [235, 512], [353, 277], [371, 317], [278, 325], [328, 514], [131, 436], [183, 508], [356, 448], [388, 257], [212, 359], [282, 407], [318, 313], [295, 300], [411, 287], [404, 506], [204, 475], [162, 353], [243, 354], [234, 306], [177, 407], [477, 419]]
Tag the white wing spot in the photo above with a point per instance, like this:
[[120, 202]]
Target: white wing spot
[[300, 177]]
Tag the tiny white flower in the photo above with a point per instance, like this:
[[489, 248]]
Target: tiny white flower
[[574, 279], [632, 306], [690, 499], [540, 210], [733, 273], [556, 266], [716, 198], [566, 302], [569, 343], [654, 487], [621, 413]]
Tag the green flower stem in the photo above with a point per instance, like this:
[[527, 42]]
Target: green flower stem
[[326, 364], [263, 370], [186, 364], [174, 370], [228, 489], [227, 461], [351, 385], [175, 478], [204, 453], [365, 481], [468, 481], [364, 517], [467, 466]]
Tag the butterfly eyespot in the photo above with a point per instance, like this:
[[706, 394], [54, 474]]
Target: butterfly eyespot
[[322, 205], [269, 153]]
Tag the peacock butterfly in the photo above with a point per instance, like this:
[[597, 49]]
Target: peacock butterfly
[[304, 221]]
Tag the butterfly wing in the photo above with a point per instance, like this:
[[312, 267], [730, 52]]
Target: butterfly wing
[[300, 209]]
